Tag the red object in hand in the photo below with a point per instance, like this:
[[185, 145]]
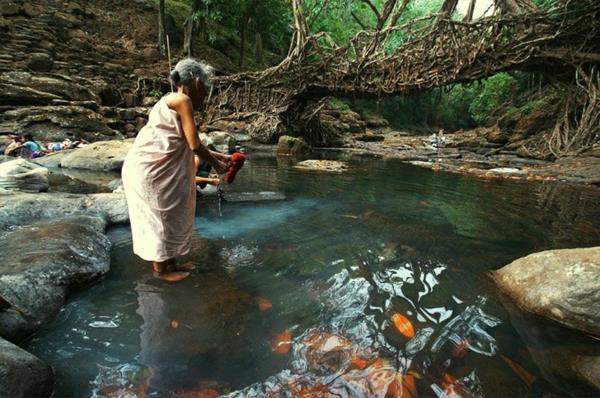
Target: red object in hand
[[237, 161]]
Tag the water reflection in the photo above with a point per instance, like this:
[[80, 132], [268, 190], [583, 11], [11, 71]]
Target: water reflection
[[355, 352], [367, 284]]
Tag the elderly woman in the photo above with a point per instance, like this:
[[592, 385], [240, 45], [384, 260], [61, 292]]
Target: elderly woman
[[158, 173]]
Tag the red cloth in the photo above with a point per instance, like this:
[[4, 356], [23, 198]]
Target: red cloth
[[237, 161]]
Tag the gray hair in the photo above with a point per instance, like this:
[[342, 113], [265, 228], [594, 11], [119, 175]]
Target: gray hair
[[188, 69]]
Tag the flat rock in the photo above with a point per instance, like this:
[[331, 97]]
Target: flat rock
[[102, 155], [23, 208], [322, 165], [561, 285], [23, 375], [52, 159], [46, 259], [21, 175], [254, 196]]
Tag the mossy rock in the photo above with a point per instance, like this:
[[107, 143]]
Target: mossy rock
[[291, 146]]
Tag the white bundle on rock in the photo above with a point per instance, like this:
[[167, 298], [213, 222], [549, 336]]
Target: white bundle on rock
[[21, 175]]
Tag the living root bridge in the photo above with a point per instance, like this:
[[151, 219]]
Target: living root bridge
[[393, 59]]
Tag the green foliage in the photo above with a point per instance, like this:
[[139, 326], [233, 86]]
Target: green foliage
[[493, 92], [155, 93], [339, 104]]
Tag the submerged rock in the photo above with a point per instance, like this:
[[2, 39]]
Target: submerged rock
[[102, 155], [23, 375], [21, 175], [561, 285], [45, 260]]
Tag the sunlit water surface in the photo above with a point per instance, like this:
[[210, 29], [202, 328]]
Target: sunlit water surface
[[327, 268]]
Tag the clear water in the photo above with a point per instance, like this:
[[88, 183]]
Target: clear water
[[336, 260]]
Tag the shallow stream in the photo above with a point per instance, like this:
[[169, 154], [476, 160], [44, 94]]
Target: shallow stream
[[329, 268]]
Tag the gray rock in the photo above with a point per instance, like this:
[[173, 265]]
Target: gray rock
[[46, 259], [21, 175], [51, 160], [561, 285], [9, 8], [149, 101], [222, 140], [291, 146], [58, 86], [40, 62], [23, 208], [116, 185], [102, 155], [23, 375], [22, 95], [30, 11], [55, 123]]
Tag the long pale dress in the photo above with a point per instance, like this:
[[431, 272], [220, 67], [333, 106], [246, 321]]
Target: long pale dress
[[158, 178]]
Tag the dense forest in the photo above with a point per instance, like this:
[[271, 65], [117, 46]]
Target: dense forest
[[255, 34]]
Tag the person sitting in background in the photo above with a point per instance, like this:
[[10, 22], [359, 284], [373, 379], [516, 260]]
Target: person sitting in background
[[29, 147], [12, 149]]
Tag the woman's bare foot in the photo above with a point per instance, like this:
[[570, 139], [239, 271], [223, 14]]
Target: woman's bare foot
[[171, 276]]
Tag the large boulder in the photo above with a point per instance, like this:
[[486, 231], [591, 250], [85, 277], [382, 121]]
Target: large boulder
[[102, 156], [561, 285], [222, 141], [55, 123], [21, 175], [292, 146], [45, 260], [23, 375], [24, 208]]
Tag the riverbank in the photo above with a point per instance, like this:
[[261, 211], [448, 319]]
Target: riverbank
[[464, 153]]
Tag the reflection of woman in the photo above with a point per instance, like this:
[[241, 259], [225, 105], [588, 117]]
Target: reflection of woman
[[158, 173]]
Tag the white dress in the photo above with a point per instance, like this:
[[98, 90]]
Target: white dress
[[158, 178]]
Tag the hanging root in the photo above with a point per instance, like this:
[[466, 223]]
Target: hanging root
[[578, 128]]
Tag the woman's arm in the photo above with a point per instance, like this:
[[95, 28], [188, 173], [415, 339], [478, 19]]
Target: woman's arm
[[182, 104]]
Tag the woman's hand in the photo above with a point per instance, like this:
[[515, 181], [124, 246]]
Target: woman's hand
[[220, 166]]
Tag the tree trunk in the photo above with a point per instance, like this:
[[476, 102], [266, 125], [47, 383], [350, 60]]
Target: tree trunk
[[259, 47], [242, 40], [469, 15], [190, 28], [162, 47]]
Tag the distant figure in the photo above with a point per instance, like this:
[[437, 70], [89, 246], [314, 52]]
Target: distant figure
[[28, 146], [12, 149], [159, 173]]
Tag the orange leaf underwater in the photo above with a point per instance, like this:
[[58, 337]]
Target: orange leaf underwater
[[358, 362], [263, 303], [283, 342], [524, 375], [460, 350], [403, 325], [174, 324]]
